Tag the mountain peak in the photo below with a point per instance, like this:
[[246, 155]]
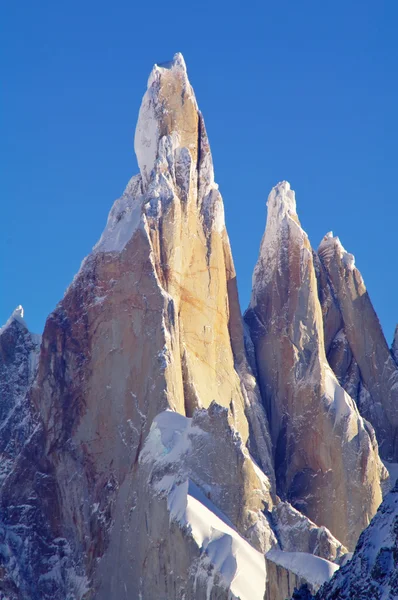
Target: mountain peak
[[168, 107], [16, 315], [178, 62], [330, 245], [282, 200]]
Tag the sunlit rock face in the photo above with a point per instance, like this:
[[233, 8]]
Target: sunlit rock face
[[358, 351], [324, 457]]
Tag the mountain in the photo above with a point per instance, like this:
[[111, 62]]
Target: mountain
[[160, 446]]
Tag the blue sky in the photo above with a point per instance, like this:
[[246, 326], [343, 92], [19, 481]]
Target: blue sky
[[304, 91]]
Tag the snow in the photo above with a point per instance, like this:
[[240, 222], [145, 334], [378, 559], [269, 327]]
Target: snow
[[330, 246], [312, 568], [341, 401], [147, 133], [241, 566], [17, 315], [392, 469], [124, 218]]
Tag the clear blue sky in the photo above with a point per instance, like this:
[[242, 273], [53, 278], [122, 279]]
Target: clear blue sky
[[300, 90]]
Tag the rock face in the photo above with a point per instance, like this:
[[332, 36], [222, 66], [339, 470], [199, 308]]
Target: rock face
[[324, 456], [358, 351], [372, 574], [137, 460]]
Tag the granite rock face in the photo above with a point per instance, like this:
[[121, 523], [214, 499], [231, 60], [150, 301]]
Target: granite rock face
[[325, 458]]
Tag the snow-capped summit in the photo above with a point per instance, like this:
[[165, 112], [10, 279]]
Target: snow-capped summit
[[282, 199], [16, 316], [168, 107]]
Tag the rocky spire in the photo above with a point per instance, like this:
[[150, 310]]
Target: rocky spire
[[307, 409], [377, 368], [19, 353]]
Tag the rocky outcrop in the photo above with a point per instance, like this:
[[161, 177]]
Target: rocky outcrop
[[367, 366], [372, 573], [326, 462]]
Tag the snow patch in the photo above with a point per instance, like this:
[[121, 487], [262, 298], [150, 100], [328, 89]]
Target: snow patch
[[17, 315], [124, 218], [241, 566], [341, 401], [312, 568], [331, 246]]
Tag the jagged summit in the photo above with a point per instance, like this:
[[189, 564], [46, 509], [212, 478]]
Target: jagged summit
[[282, 199], [178, 62], [168, 108], [16, 316], [331, 244]]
